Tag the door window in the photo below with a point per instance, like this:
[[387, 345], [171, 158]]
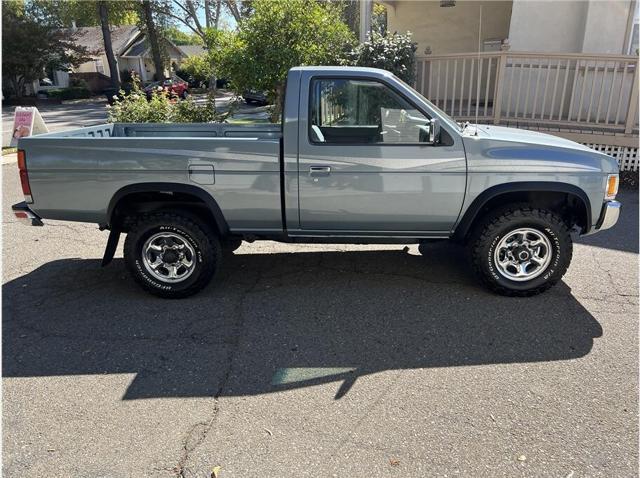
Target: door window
[[350, 111]]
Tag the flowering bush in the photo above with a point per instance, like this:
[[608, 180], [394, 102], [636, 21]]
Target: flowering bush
[[392, 52], [160, 108]]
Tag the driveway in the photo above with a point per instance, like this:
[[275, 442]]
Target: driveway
[[319, 361]]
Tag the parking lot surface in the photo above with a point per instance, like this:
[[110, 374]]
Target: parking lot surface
[[320, 361]]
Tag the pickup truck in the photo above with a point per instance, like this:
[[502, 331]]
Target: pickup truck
[[360, 157]]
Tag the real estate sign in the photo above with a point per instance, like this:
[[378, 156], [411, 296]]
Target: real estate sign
[[26, 122]]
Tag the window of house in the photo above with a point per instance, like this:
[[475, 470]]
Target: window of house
[[49, 79], [363, 111], [99, 66]]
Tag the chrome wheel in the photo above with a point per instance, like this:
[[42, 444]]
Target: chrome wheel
[[523, 254], [169, 257]]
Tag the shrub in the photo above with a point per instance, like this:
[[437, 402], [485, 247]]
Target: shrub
[[187, 111], [392, 52], [71, 93], [159, 108], [76, 82], [196, 68]]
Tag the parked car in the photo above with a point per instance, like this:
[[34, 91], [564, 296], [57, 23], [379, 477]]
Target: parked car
[[360, 157], [255, 96], [175, 87]]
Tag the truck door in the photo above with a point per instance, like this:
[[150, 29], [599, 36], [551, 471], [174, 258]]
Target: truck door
[[364, 163]]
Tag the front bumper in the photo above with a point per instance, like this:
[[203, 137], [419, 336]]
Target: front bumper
[[609, 215], [24, 213]]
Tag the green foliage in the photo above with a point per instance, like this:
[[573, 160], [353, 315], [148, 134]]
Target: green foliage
[[85, 13], [279, 35], [33, 42], [71, 93], [178, 37], [392, 52], [136, 108], [187, 111], [199, 67], [78, 82]]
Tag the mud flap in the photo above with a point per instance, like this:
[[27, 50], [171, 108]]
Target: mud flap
[[112, 245]]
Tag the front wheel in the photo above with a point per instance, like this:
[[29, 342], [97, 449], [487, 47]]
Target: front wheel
[[171, 255], [521, 251]]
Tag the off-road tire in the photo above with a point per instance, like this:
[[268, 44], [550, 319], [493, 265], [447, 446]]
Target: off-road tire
[[208, 252], [493, 227], [230, 245]]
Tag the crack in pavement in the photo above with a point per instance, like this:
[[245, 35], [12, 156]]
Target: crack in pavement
[[198, 432]]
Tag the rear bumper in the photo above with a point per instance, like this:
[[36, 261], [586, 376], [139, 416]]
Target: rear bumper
[[25, 214], [609, 215]]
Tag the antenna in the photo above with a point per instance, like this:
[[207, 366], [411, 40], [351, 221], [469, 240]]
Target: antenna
[[479, 72]]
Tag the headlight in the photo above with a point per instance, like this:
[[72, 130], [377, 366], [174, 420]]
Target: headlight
[[612, 186]]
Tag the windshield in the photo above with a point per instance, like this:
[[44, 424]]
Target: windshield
[[448, 119]]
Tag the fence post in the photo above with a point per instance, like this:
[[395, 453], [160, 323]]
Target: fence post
[[497, 95], [633, 103]]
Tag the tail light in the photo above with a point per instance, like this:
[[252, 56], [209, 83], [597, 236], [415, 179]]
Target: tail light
[[24, 176]]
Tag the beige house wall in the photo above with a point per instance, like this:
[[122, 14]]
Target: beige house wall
[[449, 29], [579, 26], [606, 28]]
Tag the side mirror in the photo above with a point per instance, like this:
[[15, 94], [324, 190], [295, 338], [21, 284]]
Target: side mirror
[[434, 131]]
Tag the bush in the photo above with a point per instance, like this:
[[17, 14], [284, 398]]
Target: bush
[[71, 93], [76, 82], [392, 52], [196, 69], [159, 108]]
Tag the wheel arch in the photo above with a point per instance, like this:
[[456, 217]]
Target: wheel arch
[[529, 191], [170, 195]]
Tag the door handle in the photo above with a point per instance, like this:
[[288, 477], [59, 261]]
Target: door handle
[[319, 171]]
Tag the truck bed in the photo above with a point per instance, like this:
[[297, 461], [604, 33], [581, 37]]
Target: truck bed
[[237, 163]]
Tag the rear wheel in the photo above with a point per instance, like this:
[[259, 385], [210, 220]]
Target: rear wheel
[[171, 255], [231, 244], [521, 251]]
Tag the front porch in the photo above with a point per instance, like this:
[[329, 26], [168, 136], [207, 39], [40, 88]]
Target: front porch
[[591, 99]]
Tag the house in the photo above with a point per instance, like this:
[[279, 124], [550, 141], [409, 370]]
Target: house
[[132, 52], [577, 26], [568, 68]]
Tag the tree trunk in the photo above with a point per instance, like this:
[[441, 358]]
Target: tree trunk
[[207, 13], [103, 12], [276, 112], [152, 38], [217, 20], [18, 89]]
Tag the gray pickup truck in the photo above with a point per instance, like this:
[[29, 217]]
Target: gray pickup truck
[[360, 157]]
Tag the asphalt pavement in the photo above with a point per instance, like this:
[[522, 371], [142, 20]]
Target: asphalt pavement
[[316, 361]]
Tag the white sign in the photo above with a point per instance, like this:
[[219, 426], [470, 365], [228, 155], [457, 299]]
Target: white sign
[[27, 122]]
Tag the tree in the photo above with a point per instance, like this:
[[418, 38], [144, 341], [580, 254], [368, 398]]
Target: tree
[[279, 35], [103, 12], [178, 37], [190, 12], [33, 42], [153, 37]]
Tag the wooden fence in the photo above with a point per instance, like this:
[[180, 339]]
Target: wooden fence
[[578, 91]]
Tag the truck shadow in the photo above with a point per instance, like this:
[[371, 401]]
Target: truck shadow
[[281, 321]]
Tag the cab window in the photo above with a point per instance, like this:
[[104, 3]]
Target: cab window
[[354, 111]]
